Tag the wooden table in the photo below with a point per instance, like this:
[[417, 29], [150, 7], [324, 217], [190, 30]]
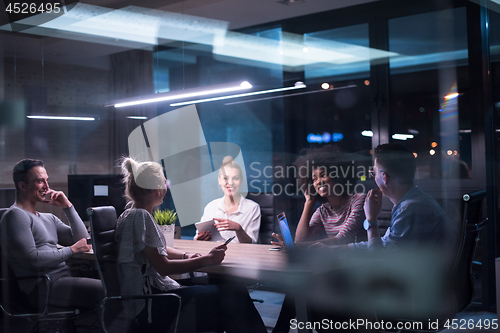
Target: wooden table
[[252, 261]]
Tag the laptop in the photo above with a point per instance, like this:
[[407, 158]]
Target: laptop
[[285, 231]]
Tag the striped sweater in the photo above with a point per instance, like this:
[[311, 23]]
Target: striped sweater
[[345, 223]]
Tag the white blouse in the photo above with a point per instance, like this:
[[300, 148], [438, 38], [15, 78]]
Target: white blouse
[[247, 215]]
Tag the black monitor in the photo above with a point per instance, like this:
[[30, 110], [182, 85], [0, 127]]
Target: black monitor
[[86, 191]]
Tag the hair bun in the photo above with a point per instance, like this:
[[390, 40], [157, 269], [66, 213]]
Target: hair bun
[[227, 160], [127, 165]]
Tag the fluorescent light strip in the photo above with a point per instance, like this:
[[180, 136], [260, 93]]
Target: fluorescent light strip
[[168, 96], [62, 118], [137, 117], [289, 95], [469, 131], [298, 85]]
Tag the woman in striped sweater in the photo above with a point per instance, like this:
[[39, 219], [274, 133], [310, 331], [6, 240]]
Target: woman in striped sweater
[[327, 176]]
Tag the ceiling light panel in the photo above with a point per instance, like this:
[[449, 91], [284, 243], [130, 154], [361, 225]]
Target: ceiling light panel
[[149, 26]]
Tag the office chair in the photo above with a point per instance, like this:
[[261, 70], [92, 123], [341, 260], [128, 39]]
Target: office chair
[[15, 304], [267, 224], [267, 215], [103, 228], [472, 223], [460, 294]]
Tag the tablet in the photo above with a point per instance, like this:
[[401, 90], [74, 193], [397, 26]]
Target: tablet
[[209, 226]]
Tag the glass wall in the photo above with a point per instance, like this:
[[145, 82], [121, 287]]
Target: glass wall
[[81, 65], [429, 88], [319, 75], [494, 45], [339, 110]]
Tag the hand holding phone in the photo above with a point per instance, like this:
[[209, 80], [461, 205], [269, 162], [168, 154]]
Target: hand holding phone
[[229, 240]]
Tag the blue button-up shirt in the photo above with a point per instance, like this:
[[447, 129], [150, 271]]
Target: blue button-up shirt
[[417, 221]]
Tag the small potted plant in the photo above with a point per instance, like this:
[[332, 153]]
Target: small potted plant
[[166, 220]]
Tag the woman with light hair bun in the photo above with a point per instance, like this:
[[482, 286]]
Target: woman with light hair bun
[[233, 214], [145, 263]]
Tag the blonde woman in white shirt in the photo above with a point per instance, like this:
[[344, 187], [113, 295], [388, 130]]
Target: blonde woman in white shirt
[[233, 214]]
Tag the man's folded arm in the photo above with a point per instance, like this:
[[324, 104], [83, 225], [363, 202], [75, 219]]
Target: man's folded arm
[[68, 235]]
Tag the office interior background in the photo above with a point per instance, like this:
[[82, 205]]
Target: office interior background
[[423, 73]]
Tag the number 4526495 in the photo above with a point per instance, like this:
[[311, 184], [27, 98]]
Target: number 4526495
[[32, 8], [468, 324]]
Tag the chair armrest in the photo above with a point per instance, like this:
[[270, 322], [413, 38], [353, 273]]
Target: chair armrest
[[476, 226], [131, 297], [27, 277], [15, 279], [102, 306]]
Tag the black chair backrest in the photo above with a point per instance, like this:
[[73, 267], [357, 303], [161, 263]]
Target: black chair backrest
[[2, 211], [103, 229], [471, 224], [268, 216]]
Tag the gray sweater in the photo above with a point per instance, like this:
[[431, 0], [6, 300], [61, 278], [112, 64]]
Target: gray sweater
[[31, 241]]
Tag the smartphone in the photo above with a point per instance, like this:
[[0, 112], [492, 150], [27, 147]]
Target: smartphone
[[276, 249], [229, 240]]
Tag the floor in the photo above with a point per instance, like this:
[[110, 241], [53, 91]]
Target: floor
[[271, 306], [464, 321]]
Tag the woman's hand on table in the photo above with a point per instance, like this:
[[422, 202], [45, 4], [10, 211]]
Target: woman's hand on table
[[216, 255], [225, 224], [280, 242], [318, 246], [204, 236]]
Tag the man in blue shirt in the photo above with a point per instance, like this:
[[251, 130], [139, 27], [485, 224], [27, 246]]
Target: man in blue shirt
[[417, 219]]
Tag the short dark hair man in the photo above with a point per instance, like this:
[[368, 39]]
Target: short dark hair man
[[29, 240], [417, 219]]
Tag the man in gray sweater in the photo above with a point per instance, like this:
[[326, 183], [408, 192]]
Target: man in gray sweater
[[30, 241]]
